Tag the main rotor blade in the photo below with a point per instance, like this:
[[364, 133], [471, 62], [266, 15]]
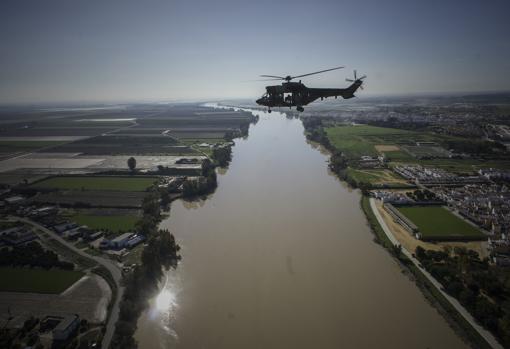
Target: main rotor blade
[[355, 78], [364, 76], [273, 76], [268, 80], [349, 80], [317, 72], [256, 80]]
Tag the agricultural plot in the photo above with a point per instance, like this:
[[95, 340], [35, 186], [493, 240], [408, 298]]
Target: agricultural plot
[[400, 155], [90, 198], [106, 183], [439, 224], [114, 223], [22, 146], [355, 141], [37, 280], [183, 135], [359, 140], [55, 131], [15, 177], [375, 177], [423, 151], [127, 145]]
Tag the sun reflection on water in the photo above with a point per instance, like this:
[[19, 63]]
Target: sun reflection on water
[[165, 300]]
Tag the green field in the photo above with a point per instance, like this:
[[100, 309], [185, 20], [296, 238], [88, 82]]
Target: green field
[[114, 223], [375, 176], [438, 223], [37, 280], [97, 183], [355, 141], [23, 146]]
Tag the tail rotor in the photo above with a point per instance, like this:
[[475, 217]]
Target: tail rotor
[[356, 79]]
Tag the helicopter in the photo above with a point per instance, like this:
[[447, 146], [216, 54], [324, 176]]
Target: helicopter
[[296, 94]]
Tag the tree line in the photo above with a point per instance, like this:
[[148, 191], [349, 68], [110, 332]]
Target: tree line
[[141, 283], [480, 287]]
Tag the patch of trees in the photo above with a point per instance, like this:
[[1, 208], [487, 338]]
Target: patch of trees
[[131, 162], [338, 163], [480, 287], [160, 253], [422, 195], [21, 337], [151, 216], [142, 284], [32, 255], [316, 133], [172, 171], [474, 147], [222, 155], [203, 185]]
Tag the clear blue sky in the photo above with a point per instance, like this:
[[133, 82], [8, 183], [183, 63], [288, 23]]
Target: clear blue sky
[[102, 50]]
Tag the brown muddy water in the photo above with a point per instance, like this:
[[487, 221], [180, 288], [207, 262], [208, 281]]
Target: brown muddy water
[[280, 256]]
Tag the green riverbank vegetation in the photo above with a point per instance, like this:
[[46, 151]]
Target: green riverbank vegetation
[[339, 164], [160, 253], [483, 289]]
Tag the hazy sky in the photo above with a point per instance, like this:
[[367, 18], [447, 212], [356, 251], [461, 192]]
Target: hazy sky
[[102, 50]]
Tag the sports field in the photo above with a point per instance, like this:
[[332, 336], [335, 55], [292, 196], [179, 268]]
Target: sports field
[[97, 183], [114, 223], [37, 280], [438, 223]]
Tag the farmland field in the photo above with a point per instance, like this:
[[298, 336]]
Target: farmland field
[[359, 140], [24, 146], [102, 198], [37, 280], [377, 177], [437, 223], [114, 223], [127, 144], [107, 183], [427, 151]]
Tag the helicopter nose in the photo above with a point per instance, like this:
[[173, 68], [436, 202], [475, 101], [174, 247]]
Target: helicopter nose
[[259, 101]]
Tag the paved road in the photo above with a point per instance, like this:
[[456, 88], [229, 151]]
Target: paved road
[[489, 338], [108, 264]]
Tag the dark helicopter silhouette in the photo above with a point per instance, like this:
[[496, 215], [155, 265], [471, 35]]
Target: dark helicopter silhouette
[[296, 94]]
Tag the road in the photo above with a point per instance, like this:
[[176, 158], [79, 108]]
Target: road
[[489, 338], [108, 264]]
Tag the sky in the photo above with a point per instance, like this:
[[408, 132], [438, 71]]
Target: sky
[[135, 51]]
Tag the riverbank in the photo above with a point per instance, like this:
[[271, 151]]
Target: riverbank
[[339, 165], [446, 305]]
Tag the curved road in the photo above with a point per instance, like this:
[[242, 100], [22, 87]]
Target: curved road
[[489, 338], [108, 264]]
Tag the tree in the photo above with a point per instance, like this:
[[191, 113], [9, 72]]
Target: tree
[[131, 162]]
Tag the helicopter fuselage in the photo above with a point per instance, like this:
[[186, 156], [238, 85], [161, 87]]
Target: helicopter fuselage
[[296, 94]]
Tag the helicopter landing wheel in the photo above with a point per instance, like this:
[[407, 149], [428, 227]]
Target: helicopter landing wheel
[[269, 111], [300, 109]]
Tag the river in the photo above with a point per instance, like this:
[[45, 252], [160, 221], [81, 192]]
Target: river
[[280, 256]]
